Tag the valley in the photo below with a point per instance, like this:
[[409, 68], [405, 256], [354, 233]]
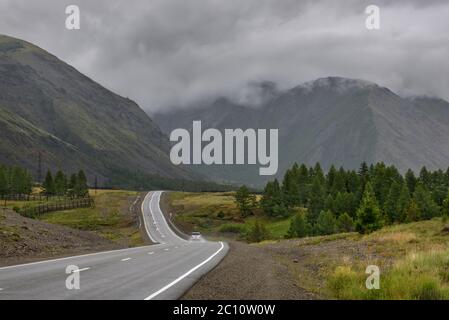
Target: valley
[[355, 176]]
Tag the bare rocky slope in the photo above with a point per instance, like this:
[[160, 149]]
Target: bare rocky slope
[[332, 121], [23, 240]]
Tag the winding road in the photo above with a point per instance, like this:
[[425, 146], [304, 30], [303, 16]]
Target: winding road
[[161, 271]]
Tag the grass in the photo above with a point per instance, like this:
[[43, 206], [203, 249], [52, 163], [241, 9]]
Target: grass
[[13, 204], [216, 213], [413, 260], [418, 276], [110, 218]]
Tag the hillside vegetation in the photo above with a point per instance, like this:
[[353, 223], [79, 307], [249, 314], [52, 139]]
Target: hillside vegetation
[[413, 257], [50, 110], [216, 214], [111, 217]]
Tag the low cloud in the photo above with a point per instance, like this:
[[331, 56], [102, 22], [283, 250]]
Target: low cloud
[[173, 53]]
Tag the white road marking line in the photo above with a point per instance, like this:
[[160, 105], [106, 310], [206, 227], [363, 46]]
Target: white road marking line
[[166, 249], [185, 274], [125, 259], [1, 289], [79, 256], [151, 252], [96, 253], [79, 270], [163, 222], [143, 214]]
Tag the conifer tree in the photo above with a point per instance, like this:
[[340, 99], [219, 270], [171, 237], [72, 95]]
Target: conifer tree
[[272, 200], [369, 213], [410, 180], [4, 188], [60, 183], [344, 202], [403, 203], [303, 185], [424, 177], [345, 223], [412, 212], [81, 188], [299, 225], [330, 178], [49, 185], [339, 182], [316, 198], [290, 188], [391, 209], [326, 223], [445, 207], [427, 207], [245, 201]]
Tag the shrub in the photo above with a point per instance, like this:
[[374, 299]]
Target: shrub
[[233, 228], [345, 223], [245, 201], [344, 283], [428, 291], [299, 226], [326, 223], [258, 232], [426, 205]]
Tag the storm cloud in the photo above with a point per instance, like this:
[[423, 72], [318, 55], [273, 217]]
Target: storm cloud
[[166, 53]]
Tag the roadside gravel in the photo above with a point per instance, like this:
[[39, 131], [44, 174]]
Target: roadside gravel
[[248, 272], [25, 240]]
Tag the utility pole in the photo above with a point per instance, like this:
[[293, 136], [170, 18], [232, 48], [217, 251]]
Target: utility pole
[[39, 168]]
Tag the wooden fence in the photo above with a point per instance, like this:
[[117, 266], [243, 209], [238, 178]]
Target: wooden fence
[[29, 197], [35, 211]]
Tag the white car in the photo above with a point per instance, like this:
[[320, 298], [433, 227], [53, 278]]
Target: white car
[[195, 236]]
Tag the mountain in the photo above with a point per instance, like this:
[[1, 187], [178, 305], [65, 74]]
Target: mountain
[[331, 120], [49, 108]]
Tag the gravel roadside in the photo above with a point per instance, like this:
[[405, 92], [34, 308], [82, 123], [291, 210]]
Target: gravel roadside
[[248, 272], [25, 240]]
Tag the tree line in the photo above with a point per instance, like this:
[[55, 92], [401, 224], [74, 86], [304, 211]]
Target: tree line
[[61, 185], [15, 180], [346, 200]]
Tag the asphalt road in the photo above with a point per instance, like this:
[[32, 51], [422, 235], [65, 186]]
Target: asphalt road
[[161, 271]]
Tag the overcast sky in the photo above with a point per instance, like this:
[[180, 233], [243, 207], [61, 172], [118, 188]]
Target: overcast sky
[[164, 53]]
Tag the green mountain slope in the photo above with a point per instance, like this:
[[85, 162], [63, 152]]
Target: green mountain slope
[[48, 107]]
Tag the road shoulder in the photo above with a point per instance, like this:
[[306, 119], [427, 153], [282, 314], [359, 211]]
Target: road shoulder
[[248, 271]]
